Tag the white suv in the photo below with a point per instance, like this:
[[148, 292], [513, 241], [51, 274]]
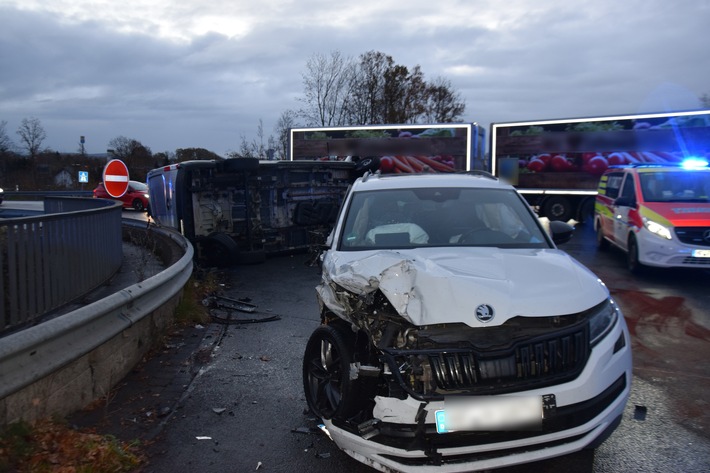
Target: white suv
[[455, 336]]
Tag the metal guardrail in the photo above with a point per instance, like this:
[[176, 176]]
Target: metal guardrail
[[51, 259], [36, 352], [43, 194]]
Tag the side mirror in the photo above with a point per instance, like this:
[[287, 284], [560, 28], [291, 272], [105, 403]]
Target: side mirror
[[561, 232]]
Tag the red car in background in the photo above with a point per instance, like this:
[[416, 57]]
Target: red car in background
[[136, 197]]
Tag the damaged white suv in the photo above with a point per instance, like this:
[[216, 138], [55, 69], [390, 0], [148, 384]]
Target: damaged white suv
[[455, 336]]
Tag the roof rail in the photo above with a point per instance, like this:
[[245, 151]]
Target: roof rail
[[478, 172]]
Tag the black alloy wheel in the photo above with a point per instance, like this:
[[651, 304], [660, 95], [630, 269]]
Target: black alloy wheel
[[326, 374]]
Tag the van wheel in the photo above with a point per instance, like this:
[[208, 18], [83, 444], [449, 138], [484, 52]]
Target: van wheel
[[326, 374], [632, 256], [370, 163], [557, 208], [602, 243], [220, 250], [586, 210]]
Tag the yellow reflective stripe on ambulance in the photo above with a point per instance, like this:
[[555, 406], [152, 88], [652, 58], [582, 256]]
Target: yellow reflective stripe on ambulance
[[654, 216]]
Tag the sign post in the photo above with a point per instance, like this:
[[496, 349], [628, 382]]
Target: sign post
[[116, 178]]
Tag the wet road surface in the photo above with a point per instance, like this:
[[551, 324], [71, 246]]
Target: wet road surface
[[228, 397]]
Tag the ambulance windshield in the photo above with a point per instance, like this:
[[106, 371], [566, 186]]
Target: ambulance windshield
[[676, 186]]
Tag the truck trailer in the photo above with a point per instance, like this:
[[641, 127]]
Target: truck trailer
[[556, 164], [396, 148]]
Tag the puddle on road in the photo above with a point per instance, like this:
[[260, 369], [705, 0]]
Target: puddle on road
[[670, 349]]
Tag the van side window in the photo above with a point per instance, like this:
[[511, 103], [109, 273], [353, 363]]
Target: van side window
[[613, 184], [628, 189]]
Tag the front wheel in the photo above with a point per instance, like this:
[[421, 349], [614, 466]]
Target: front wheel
[[602, 242], [326, 374], [632, 256], [138, 205]]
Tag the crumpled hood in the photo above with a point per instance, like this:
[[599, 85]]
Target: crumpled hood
[[435, 285]]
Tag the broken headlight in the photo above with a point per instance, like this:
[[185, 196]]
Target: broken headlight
[[601, 320]]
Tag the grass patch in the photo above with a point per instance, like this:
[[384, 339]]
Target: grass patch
[[49, 446], [190, 310]]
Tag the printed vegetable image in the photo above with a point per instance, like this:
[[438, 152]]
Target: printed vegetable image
[[596, 163]]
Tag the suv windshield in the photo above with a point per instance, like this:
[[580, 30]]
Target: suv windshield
[[675, 186], [408, 218]]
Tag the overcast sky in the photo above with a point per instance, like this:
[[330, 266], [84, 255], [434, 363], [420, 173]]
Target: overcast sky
[[195, 73]]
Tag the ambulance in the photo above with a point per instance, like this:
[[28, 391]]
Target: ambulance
[[658, 214]]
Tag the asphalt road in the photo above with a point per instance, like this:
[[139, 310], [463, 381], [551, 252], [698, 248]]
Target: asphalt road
[[245, 409]]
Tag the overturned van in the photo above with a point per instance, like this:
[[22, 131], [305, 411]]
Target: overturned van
[[240, 210], [455, 336]]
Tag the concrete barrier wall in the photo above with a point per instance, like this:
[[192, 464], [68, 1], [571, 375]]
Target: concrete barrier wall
[[64, 364]]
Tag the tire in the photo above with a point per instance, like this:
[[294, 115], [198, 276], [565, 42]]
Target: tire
[[602, 243], [370, 163], [586, 210], [330, 393], [632, 257], [557, 208], [240, 164], [138, 205], [219, 250]]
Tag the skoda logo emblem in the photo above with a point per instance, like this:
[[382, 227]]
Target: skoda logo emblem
[[706, 236], [484, 313]]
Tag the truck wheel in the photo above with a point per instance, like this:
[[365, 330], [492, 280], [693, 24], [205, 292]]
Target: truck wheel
[[557, 208], [326, 374], [220, 250]]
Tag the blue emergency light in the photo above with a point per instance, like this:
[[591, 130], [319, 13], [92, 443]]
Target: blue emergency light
[[694, 163]]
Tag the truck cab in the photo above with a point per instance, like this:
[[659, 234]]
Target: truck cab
[[658, 214]]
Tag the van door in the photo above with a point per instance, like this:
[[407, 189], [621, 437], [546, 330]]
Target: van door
[[609, 188], [622, 206]]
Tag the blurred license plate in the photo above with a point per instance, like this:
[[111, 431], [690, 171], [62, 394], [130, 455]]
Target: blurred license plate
[[701, 253], [490, 413]]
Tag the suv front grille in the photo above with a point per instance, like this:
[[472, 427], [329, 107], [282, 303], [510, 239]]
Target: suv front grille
[[528, 364], [693, 235]]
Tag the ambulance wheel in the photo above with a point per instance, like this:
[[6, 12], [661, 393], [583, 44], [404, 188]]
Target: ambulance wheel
[[602, 242], [326, 373], [632, 256]]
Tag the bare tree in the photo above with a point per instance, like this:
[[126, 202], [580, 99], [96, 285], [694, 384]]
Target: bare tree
[[137, 157], [6, 144], [286, 121], [705, 101], [31, 135], [254, 148], [326, 86], [375, 89]]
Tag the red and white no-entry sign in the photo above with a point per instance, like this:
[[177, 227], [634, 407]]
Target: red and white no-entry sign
[[116, 178]]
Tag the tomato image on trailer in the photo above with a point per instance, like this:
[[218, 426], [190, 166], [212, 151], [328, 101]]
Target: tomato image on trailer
[[658, 214]]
